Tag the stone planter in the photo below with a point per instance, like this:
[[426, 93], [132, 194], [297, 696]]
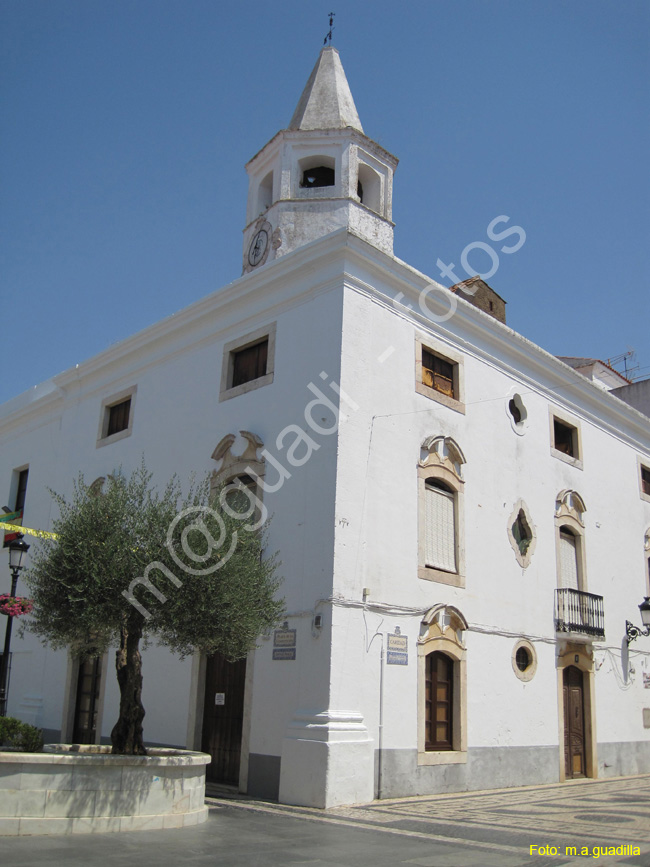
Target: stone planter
[[84, 789]]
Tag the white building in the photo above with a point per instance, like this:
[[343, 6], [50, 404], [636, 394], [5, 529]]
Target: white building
[[460, 554]]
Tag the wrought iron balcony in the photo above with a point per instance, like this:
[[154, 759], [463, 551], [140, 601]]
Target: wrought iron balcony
[[579, 612]]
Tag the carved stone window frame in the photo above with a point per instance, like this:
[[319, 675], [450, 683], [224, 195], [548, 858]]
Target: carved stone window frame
[[442, 630], [569, 509], [232, 466], [522, 559], [441, 458]]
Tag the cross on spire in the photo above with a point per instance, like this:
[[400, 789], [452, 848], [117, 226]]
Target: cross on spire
[[329, 32]]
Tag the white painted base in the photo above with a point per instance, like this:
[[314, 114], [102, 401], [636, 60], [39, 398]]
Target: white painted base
[[88, 790], [327, 761]]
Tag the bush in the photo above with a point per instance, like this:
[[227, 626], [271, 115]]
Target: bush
[[20, 736]]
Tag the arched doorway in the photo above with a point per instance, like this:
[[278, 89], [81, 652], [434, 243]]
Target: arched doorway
[[574, 723]]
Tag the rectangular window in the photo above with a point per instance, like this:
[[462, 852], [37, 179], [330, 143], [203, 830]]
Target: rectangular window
[[645, 480], [438, 373], [564, 438], [440, 532], [250, 363], [118, 417], [19, 485], [568, 577], [21, 490]]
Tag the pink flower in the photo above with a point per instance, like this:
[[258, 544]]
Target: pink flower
[[15, 606]]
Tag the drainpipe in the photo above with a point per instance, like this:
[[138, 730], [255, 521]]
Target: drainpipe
[[381, 718]]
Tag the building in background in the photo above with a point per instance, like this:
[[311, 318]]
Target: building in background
[[463, 519]]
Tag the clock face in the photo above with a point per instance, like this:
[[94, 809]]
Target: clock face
[[258, 247]]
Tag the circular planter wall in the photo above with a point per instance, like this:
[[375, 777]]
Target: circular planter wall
[[84, 789]]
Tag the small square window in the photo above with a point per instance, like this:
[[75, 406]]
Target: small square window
[[118, 417], [645, 480], [250, 363], [439, 375], [564, 439]]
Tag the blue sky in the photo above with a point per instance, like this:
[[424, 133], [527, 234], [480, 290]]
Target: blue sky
[[126, 125]]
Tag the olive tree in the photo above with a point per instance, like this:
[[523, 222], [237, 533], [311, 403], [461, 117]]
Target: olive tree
[[130, 564]]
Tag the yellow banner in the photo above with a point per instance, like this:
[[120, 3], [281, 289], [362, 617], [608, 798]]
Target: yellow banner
[[16, 528]]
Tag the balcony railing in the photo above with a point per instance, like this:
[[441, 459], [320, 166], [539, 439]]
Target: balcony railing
[[579, 612]]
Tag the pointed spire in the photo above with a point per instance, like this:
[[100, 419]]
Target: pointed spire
[[326, 101]]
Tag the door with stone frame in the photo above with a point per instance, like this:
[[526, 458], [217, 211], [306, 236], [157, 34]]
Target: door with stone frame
[[574, 723], [223, 717], [86, 711]]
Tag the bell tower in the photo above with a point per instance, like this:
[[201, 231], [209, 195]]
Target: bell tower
[[319, 175]]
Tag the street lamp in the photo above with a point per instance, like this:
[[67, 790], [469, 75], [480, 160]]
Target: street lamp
[[17, 550], [632, 631]]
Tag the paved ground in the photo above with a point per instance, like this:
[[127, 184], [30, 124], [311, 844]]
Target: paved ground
[[481, 829]]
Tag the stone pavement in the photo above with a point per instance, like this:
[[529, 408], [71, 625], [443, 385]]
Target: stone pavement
[[475, 829]]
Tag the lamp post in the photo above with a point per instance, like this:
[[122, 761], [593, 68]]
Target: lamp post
[[632, 631], [17, 550]]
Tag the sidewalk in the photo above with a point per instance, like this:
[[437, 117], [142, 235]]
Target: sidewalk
[[476, 829]]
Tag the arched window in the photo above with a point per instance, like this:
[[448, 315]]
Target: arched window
[[369, 188], [318, 176], [245, 467], [569, 510], [315, 175], [440, 524], [440, 489], [265, 194], [439, 708], [442, 687], [569, 575]]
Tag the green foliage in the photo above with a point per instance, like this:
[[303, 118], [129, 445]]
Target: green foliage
[[20, 736], [108, 539]]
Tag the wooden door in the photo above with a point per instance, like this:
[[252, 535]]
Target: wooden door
[[223, 716], [87, 701], [574, 723], [438, 723]]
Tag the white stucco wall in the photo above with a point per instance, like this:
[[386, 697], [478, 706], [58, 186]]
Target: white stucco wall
[[347, 519], [376, 529]]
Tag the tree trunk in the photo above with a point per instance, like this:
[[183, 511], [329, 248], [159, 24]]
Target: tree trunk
[[126, 736]]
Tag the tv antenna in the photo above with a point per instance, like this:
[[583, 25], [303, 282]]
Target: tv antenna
[[329, 32]]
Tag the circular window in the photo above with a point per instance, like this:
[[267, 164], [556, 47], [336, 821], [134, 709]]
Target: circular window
[[524, 660]]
